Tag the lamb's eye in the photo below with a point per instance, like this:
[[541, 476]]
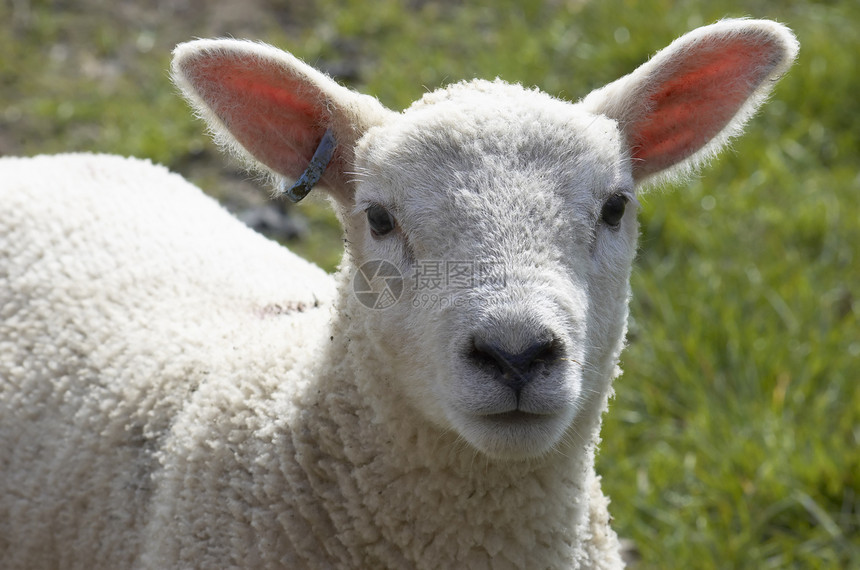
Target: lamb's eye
[[380, 220], [613, 210]]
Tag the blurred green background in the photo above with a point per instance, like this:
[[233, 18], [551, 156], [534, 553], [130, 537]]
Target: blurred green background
[[733, 438]]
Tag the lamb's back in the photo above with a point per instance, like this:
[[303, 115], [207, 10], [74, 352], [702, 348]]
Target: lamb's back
[[123, 291]]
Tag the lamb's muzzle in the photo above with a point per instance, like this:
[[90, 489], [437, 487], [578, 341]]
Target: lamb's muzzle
[[514, 369]]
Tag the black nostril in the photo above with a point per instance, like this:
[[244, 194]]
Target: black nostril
[[514, 370]]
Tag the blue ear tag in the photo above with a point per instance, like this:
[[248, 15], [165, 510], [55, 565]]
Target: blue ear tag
[[314, 171]]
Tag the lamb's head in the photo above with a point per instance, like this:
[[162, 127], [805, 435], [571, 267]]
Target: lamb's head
[[507, 217]]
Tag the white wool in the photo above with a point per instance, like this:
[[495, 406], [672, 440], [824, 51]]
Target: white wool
[[178, 392]]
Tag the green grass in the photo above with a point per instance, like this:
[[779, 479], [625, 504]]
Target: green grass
[[733, 438]]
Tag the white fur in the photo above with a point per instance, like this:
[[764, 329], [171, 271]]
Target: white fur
[[177, 392]]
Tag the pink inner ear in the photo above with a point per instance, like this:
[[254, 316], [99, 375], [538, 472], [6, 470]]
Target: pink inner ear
[[272, 114], [697, 101]]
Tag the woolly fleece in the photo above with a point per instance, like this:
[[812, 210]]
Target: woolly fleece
[[164, 403]]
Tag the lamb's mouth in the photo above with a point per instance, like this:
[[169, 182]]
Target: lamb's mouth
[[513, 434], [512, 430], [517, 417]]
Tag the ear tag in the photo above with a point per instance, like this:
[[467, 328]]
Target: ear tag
[[314, 171]]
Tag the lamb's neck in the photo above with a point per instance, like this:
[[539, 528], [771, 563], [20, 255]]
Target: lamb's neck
[[429, 493]]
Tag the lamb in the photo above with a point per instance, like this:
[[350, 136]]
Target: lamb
[[178, 392]]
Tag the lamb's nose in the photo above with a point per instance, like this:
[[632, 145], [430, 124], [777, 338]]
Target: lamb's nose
[[515, 369]]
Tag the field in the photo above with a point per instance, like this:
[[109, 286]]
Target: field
[[734, 437]]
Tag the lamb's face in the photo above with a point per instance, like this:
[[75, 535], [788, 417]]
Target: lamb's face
[[511, 217]]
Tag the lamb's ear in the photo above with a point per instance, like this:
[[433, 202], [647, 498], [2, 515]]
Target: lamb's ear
[[682, 106], [273, 110]]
